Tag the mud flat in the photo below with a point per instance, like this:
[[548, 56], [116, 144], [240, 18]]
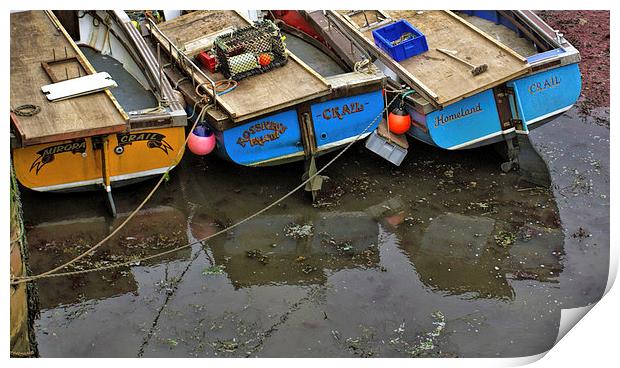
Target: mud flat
[[443, 256], [576, 149]]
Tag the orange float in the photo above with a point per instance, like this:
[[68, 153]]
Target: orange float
[[399, 121]]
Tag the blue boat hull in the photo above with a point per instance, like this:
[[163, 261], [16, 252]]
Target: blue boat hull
[[546, 94], [474, 121], [276, 139]]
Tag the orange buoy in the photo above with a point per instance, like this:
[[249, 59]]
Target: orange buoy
[[399, 121], [264, 59]]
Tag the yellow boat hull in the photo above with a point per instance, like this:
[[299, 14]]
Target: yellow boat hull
[[94, 162]]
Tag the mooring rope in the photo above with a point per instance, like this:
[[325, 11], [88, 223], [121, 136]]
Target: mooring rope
[[19, 354], [222, 86], [106, 39], [365, 66], [119, 227], [51, 273], [27, 110]]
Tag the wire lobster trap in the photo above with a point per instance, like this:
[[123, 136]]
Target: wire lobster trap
[[250, 50]]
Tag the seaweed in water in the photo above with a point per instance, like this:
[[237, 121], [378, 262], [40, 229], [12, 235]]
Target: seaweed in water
[[214, 270], [299, 231]]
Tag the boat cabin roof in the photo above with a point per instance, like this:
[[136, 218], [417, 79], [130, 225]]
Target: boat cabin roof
[[285, 86], [442, 79], [36, 37]]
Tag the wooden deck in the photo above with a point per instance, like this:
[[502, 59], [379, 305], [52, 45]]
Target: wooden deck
[[443, 79], [281, 87], [351, 53], [34, 35]]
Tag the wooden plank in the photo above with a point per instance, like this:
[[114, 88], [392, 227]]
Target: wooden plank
[[293, 83], [48, 65], [360, 17], [529, 35], [205, 42], [197, 24], [369, 46], [341, 45], [485, 35], [192, 74], [184, 85], [448, 79], [17, 131], [398, 139], [357, 79], [33, 36], [83, 60]]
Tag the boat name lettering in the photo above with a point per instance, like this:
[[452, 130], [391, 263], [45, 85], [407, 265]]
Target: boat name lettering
[[341, 111], [46, 155], [548, 83], [277, 129], [154, 140], [443, 119]]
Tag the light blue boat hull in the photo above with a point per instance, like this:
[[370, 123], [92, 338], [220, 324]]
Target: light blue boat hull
[[474, 121], [546, 94]]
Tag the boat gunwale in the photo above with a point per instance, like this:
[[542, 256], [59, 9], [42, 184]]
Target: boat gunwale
[[173, 115], [410, 78], [220, 101], [23, 140]]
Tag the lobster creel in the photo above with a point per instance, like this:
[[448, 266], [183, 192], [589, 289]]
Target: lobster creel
[[250, 50]]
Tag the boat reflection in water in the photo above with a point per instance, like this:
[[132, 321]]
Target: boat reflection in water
[[461, 255], [53, 243], [291, 249]]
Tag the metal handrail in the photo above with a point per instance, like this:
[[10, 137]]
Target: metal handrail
[[182, 56], [555, 41]]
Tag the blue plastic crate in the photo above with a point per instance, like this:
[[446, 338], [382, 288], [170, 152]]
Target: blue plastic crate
[[384, 37]]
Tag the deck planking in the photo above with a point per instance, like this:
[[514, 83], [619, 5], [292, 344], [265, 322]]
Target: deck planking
[[193, 26], [278, 88], [33, 37], [448, 79]]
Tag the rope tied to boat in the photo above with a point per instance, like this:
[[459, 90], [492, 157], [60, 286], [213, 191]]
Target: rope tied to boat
[[222, 87], [27, 110], [365, 66], [91, 250], [19, 354], [51, 273], [106, 39], [176, 84], [225, 86], [162, 103]]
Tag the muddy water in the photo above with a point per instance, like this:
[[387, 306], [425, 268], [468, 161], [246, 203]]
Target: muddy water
[[443, 256]]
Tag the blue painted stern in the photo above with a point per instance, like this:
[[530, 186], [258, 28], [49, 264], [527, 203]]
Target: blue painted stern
[[474, 121], [277, 138]]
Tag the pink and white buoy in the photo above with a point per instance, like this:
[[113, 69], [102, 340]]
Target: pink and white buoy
[[201, 140]]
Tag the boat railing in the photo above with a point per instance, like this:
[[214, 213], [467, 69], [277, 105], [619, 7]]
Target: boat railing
[[330, 21], [182, 58]]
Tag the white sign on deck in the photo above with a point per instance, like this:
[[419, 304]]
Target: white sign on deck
[[78, 86]]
